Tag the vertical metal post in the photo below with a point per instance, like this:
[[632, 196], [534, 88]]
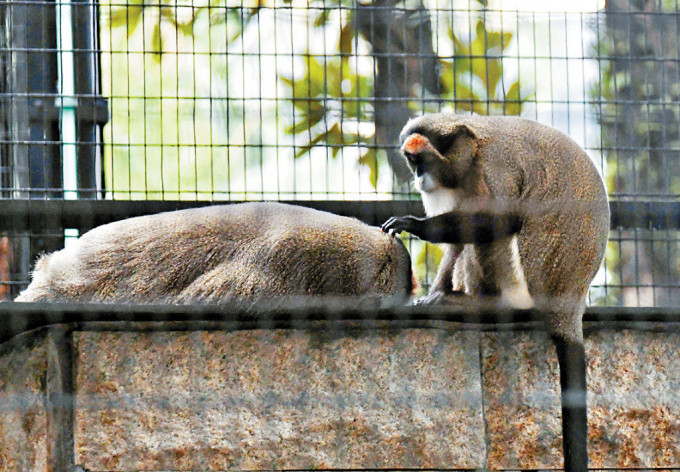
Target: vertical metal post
[[5, 101], [35, 160], [92, 112], [43, 154], [67, 102], [573, 386], [60, 399]]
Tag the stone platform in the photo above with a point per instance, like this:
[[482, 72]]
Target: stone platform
[[314, 399]]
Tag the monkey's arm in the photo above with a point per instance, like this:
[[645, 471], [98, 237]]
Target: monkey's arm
[[456, 227], [441, 290]]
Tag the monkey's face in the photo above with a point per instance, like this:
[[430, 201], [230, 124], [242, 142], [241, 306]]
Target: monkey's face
[[440, 151], [426, 163]]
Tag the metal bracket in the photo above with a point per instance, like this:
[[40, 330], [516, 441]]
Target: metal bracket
[[88, 109]]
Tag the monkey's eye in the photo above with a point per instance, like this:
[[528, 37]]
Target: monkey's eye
[[411, 158]]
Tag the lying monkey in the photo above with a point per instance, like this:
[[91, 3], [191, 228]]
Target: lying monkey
[[223, 253]]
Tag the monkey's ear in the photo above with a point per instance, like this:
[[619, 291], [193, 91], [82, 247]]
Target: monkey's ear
[[459, 150], [459, 137]]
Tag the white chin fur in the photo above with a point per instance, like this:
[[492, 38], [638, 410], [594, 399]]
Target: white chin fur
[[425, 183], [437, 199]]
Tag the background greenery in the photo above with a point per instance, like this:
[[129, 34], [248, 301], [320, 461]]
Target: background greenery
[[217, 100]]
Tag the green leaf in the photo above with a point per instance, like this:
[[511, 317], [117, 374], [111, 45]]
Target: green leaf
[[322, 18], [315, 85], [311, 116], [463, 92], [335, 139], [288, 81], [513, 105], [464, 96], [126, 16], [459, 48], [306, 148], [312, 84], [514, 100], [495, 39], [478, 53], [298, 127], [462, 65], [187, 29], [346, 38], [157, 42], [507, 37], [430, 255], [370, 159], [447, 78], [169, 14], [494, 73], [480, 30]]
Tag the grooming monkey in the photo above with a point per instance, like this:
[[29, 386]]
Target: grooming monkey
[[224, 253], [545, 249]]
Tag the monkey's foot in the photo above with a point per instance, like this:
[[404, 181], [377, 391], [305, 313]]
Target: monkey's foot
[[439, 297]]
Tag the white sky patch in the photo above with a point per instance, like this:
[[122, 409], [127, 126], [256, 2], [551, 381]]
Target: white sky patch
[[549, 6]]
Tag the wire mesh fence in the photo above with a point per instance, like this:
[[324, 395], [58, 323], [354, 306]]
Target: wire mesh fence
[[114, 109], [214, 101]]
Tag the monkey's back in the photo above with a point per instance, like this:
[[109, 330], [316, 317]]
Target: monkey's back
[[221, 253], [566, 212]]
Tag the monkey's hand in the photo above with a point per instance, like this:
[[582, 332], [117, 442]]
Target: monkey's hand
[[458, 227], [397, 224]]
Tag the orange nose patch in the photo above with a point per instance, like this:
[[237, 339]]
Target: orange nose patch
[[415, 144]]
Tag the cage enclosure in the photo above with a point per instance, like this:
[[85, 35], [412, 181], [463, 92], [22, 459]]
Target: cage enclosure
[[116, 110]]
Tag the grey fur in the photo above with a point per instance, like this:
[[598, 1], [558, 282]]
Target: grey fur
[[565, 214], [221, 253]]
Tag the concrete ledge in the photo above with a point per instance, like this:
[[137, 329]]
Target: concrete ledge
[[278, 400], [302, 399], [23, 395]]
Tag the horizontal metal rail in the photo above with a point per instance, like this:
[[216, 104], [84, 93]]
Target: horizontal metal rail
[[85, 214], [321, 313], [24, 214]]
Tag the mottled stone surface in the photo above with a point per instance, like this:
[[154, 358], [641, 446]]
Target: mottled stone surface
[[634, 399], [278, 399], [410, 398], [633, 403], [23, 363], [521, 400]]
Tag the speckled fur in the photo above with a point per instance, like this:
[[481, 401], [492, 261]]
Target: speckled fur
[[221, 253], [566, 214]]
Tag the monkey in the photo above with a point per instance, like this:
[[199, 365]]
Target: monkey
[[223, 253], [545, 255]]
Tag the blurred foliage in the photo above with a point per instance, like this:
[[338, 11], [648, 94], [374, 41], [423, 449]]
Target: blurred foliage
[[181, 15], [473, 79], [330, 97], [639, 95], [639, 118], [332, 100], [158, 145]]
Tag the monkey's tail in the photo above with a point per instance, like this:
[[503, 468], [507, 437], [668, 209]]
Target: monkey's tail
[[565, 318]]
